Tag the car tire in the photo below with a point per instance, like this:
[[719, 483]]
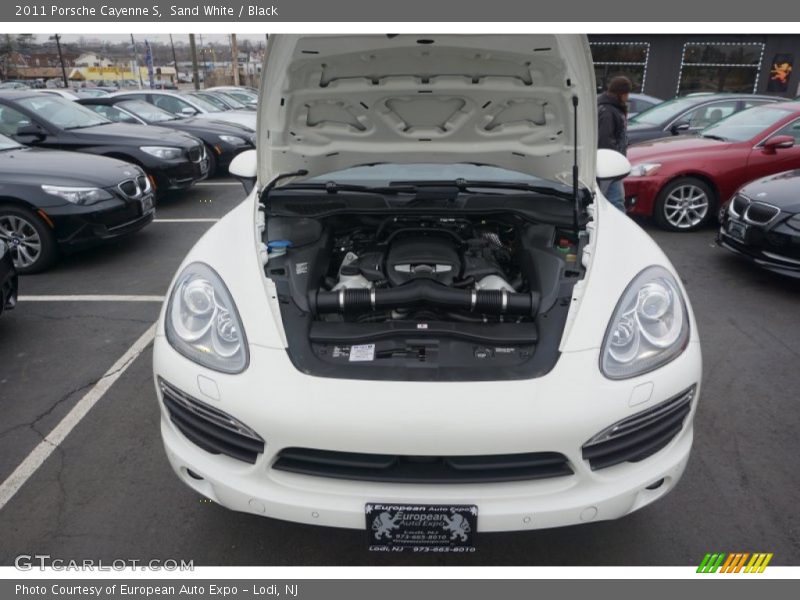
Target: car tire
[[35, 247], [213, 165], [685, 204]]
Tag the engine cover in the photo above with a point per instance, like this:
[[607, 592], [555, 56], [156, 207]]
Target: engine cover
[[429, 257]]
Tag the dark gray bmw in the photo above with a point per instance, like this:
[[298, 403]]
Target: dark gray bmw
[[52, 201]]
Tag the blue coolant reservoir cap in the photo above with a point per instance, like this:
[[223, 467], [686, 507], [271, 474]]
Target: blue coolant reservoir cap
[[278, 245]]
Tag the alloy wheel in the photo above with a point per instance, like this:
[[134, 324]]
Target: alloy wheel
[[22, 239], [686, 206]]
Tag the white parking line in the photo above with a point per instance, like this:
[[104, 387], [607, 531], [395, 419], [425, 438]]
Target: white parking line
[[185, 220], [52, 440], [91, 298]]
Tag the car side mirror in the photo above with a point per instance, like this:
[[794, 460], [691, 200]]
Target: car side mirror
[[777, 142], [244, 167], [30, 133], [187, 112], [611, 166], [679, 128]]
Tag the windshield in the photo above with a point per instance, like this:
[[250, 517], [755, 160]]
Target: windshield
[[147, 111], [7, 143], [205, 104], [62, 113], [745, 125], [230, 100], [665, 111], [384, 174], [242, 96]]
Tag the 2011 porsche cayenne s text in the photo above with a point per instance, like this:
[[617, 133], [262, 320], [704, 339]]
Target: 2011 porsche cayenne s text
[[426, 321]]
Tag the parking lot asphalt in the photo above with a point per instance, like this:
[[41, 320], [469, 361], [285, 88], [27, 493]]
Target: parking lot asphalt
[[107, 492]]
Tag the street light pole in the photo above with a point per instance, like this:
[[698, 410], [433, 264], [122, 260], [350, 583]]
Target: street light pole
[[235, 59], [61, 60]]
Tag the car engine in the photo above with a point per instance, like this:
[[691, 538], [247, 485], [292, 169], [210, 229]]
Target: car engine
[[426, 268]]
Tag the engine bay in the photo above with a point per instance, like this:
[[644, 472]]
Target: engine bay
[[462, 295]]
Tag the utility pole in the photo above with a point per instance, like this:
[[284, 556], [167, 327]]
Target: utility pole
[[61, 60], [235, 59], [174, 58], [195, 70]]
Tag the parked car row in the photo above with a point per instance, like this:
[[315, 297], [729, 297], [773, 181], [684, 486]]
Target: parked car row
[[74, 172]]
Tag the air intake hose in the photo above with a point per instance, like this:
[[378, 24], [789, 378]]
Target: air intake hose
[[424, 293]]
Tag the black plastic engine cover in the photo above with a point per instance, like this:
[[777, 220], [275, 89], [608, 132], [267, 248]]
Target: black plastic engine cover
[[429, 257]]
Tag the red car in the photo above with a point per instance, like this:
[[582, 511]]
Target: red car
[[683, 181]]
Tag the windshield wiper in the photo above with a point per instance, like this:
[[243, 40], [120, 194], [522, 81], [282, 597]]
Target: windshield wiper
[[82, 126], [711, 136]]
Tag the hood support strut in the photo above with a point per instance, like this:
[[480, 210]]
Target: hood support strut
[[576, 208]]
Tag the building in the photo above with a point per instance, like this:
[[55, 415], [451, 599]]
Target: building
[[668, 65]]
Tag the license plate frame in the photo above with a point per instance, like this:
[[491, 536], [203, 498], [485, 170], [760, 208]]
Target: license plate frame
[[737, 230], [421, 528], [147, 204]]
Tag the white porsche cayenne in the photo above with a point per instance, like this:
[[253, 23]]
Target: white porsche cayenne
[[425, 320]]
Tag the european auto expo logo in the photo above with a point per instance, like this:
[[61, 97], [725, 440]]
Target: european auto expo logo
[[734, 562]]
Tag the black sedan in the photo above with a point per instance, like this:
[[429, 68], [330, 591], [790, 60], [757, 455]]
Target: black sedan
[[689, 114], [8, 279], [223, 140], [173, 160], [54, 201], [762, 223]]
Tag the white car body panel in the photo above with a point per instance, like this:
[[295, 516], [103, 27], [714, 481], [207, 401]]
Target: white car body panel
[[557, 412]]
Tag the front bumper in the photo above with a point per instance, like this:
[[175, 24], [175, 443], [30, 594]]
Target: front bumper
[[641, 194], [558, 413], [775, 248], [83, 226], [176, 175]]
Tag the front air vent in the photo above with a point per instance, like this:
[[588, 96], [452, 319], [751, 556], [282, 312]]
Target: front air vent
[[392, 468], [209, 428], [640, 436]]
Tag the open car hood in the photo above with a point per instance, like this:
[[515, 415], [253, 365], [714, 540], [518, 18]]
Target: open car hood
[[333, 102]]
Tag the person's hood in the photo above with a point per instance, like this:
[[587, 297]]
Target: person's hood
[[611, 100], [333, 102], [143, 135], [56, 167], [674, 147]]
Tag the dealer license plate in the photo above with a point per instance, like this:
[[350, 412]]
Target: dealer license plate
[[421, 528], [737, 230]]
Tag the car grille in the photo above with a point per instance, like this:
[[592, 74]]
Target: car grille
[[423, 469], [761, 213], [209, 428], [642, 435], [196, 153], [134, 188], [758, 213]]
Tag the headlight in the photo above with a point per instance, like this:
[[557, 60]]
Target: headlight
[[794, 222], [202, 322], [644, 169], [650, 326], [233, 140], [165, 152], [77, 195]]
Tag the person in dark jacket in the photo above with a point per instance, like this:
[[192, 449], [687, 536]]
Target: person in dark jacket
[[612, 129]]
